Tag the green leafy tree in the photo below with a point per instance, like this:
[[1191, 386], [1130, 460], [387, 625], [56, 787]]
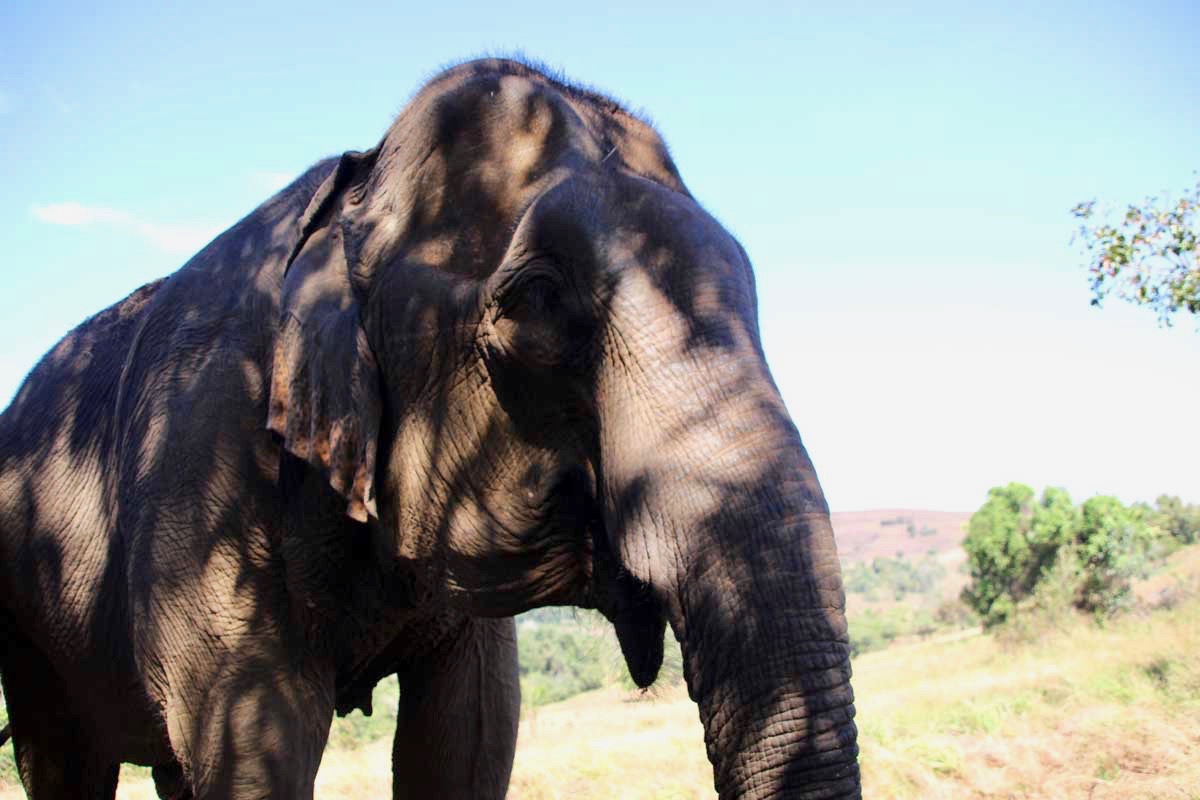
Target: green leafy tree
[[1053, 527], [1111, 546], [998, 552], [1052, 556], [1012, 540], [1148, 256], [1180, 521]]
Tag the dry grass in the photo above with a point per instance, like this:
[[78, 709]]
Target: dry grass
[[1085, 712], [1082, 712], [613, 744], [1077, 712], [1178, 578]]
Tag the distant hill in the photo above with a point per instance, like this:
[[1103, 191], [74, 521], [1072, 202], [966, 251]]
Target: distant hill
[[887, 532], [915, 533]]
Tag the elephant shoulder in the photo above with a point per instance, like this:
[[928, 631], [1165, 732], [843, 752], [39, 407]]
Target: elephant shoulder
[[209, 331], [67, 399]]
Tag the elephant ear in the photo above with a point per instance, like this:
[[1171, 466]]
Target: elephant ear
[[325, 398]]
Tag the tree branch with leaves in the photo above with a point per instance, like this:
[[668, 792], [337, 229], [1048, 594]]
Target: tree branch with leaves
[[1149, 256]]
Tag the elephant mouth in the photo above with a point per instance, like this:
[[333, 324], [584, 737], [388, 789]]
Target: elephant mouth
[[641, 638], [632, 607], [580, 570]]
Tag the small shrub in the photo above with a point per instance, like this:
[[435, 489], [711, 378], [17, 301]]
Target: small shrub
[[356, 729], [954, 613], [558, 661]]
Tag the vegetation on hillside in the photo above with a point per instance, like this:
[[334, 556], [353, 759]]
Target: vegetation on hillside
[[1019, 545], [561, 656], [1065, 709], [905, 596], [894, 577], [564, 652]]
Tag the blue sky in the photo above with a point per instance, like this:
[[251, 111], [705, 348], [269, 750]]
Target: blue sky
[[901, 177]]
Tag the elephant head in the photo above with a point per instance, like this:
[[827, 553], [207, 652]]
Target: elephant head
[[530, 363]]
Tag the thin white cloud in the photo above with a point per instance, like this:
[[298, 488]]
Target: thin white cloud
[[175, 238], [79, 214], [182, 238], [270, 181]]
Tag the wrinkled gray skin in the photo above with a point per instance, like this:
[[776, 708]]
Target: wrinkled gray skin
[[501, 360]]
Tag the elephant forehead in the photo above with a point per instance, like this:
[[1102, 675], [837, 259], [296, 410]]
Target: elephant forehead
[[503, 135], [530, 115], [523, 98], [511, 122], [465, 161], [504, 126]]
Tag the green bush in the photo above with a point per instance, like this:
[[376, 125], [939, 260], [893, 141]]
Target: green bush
[[356, 729], [1181, 522], [1011, 541], [873, 629], [558, 660], [1053, 604], [1014, 543], [1111, 545]]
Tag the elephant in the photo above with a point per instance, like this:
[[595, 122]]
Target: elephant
[[501, 360]]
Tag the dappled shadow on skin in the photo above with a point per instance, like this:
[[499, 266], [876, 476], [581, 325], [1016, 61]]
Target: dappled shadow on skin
[[756, 603], [724, 527], [608, 437], [133, 565], [770, 605], [717, 508]]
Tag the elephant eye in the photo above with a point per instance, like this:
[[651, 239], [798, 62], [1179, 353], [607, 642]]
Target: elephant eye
[[534, 298], [540, 323], [544, 295]]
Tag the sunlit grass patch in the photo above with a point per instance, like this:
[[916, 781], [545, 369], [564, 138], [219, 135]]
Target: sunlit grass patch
[[613, 743], [1081, 711]]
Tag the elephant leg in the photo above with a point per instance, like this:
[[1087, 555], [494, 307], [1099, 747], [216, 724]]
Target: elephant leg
[[456, 731], [257, 733], [52, 747]]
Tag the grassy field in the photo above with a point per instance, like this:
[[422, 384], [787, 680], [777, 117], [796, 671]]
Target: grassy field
[[1074, 712], [1082, 712], [1090, 712]]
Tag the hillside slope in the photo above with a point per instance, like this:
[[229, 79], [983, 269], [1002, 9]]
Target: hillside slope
[[864, 535]]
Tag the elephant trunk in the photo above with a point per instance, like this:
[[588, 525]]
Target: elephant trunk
[[767, 660], [712, 501]]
